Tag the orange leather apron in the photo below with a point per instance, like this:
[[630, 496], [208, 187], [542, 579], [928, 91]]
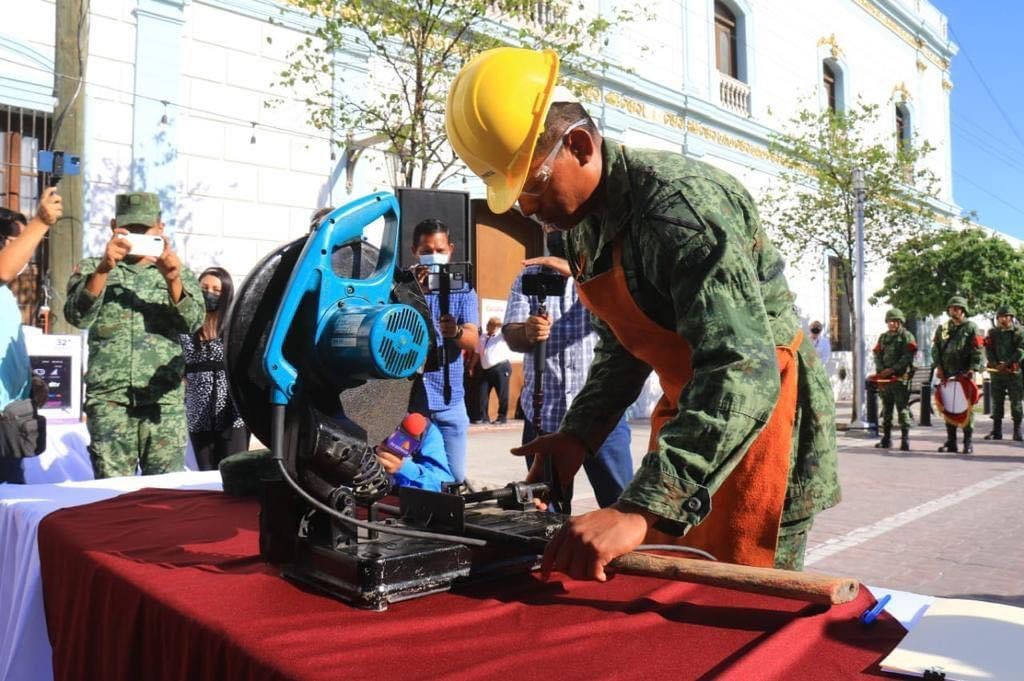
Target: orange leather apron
[[743, 526]]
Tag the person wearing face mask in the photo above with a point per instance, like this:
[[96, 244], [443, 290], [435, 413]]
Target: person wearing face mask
[[135, 309], [457, 330], [214, 426], [18, 241], [956, 355]]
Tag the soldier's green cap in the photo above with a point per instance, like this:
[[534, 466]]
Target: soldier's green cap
[[1004, 310], [136, 208], [958, 301], [895, 314]]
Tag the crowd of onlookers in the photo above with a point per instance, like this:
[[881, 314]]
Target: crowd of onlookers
[[157, 374]]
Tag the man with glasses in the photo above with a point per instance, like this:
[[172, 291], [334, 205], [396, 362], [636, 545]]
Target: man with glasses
[[670, 257]]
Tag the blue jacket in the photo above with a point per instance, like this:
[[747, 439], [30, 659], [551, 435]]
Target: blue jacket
[[427, 467]]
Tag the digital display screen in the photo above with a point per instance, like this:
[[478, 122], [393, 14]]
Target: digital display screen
[[56, 373]]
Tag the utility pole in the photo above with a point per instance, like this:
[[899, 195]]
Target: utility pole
[[72, 49], [859, 373]]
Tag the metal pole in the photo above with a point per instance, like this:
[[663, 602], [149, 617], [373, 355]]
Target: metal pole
[[860, 375]]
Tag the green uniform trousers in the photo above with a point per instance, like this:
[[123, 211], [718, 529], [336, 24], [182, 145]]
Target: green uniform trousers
[[895, 395], [1003, 386], [122, 438], [789, 552]]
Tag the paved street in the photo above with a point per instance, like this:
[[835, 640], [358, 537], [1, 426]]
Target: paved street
[[939, 524]]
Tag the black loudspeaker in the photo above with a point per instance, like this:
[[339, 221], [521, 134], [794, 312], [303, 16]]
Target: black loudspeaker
[[451, 208]]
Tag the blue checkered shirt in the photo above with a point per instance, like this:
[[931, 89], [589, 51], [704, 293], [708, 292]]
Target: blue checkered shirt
[[569, 353], [464, 307]]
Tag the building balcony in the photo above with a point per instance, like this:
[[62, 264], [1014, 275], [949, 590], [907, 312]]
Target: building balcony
[[734, 94]]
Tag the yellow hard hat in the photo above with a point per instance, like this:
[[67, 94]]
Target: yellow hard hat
[[496, 110]]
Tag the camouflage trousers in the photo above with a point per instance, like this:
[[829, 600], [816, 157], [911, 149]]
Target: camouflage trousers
[[789, 552], [895, 395], [1003, 386], [122, 438]]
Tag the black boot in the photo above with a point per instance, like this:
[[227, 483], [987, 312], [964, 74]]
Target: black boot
[[968, 447], [1016, 432], [997, 430], [950, 444], [886, 440], [904, 439]]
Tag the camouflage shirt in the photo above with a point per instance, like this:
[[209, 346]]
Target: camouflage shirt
[[1005, 346], [134, 354], [895, 350], [697, 262], [957, 348]]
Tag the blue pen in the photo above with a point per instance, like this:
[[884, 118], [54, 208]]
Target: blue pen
[[871, 614]]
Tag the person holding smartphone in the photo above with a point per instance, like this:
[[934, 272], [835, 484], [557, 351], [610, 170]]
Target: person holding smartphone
[[570, 336], [135, 308], [19, 424]]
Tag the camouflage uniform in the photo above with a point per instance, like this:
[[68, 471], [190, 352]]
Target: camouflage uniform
[[1004, 350], [894, 359], [697, 261], [135, 400], [956, 348]]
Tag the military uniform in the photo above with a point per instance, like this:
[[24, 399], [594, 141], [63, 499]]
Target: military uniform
[[696, 261], [1004, 350], [135, 399], [894, 364], [956, 349]]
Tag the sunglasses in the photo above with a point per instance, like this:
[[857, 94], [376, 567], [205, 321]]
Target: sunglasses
[[537, 182]]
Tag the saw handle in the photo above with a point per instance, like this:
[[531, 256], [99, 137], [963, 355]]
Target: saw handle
[[314, 276], [811, 587]]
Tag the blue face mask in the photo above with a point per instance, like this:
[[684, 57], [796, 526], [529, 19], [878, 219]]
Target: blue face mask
[[433, 258]]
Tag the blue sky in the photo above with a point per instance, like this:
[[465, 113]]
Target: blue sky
[[988, 76]]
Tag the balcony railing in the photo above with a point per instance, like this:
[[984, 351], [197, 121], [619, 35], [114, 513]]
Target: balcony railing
[[734, 94]]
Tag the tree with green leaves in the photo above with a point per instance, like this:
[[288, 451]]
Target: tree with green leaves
[[928, 269], [810, 209], [416, 47]]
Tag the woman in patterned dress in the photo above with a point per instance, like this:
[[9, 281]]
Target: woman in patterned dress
[[214, 426]]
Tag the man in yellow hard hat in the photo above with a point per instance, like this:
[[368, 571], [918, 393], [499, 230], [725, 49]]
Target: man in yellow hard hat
[[671, 259]]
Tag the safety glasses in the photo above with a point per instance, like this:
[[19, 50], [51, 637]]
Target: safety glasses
[[538, 181]]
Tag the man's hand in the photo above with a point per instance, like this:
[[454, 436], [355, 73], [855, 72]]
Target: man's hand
[[538, 328], [887, 373], [449, 328], [117, 248], [168, 262], [940, 374], [587, 543], [389, 461], [567, 452], [51, 207]]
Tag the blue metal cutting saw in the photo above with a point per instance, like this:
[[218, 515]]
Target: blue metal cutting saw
[[323, 338]]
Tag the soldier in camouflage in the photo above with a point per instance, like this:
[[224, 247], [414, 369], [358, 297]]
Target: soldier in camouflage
[[894, 367], [135, 308], [682, 242], [956, 351], [1004, 350]]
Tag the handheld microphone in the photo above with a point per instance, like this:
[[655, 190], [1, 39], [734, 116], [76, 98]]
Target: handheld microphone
[[406, 438]]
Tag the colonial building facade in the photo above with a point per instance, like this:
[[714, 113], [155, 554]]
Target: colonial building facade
[[175, 94]]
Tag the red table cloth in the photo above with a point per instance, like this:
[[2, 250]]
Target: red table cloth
[[168, 584]]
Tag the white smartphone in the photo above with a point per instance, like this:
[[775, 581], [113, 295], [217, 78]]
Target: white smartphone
[[145, 244]]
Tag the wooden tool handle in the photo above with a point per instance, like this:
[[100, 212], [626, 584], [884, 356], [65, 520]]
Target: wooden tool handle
[[804, 586]]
